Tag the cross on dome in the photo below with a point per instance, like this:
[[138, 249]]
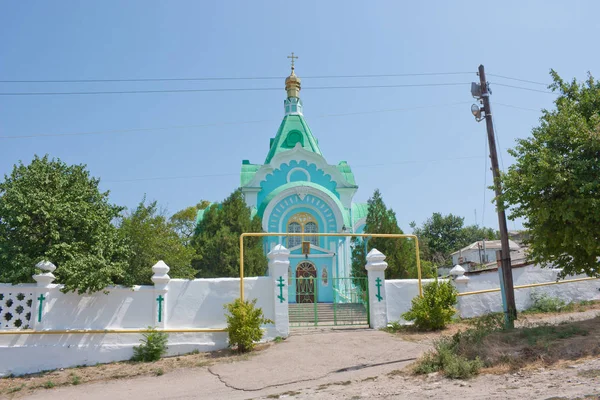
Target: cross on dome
[[292, 57]]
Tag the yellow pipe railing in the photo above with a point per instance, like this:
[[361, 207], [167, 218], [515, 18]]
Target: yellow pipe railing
[[88, 331], [367, 235], [527, 286]]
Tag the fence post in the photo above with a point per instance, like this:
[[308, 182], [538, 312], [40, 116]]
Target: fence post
[[279, 262], [161, 281], [376, 267], [44, 281]]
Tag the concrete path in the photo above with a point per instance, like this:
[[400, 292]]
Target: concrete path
[[307, 358]]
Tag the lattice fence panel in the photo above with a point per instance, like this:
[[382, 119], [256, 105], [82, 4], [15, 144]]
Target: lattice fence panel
[[15, 309]]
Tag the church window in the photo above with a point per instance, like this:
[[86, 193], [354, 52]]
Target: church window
[[302, 223], [311, 227], [294, 227]]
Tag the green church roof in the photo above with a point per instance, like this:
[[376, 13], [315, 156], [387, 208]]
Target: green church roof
[[293, 130], [359, 210], [248, 172], [346, 172]]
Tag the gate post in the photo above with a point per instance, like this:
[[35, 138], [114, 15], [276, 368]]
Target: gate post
[[161, 281], [279, 262], [376, 267]]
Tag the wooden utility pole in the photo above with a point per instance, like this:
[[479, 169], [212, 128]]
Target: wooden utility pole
[[506, 278]]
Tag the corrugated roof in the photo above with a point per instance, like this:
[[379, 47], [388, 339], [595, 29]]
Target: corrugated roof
[[489, 244]]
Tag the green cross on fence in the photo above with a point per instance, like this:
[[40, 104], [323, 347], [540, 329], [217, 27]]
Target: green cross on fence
[[378, 284], [160, 300], [280, 285], [41, 299]]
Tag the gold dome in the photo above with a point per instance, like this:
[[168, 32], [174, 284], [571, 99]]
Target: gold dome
[[292, 85]]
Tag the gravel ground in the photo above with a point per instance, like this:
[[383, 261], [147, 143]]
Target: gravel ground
[[342, 364]]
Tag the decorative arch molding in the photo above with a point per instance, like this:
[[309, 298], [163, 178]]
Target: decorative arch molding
[[298, 154], [299, 170], [299, 195]]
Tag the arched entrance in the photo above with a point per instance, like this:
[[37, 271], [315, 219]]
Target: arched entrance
[[306, 274]]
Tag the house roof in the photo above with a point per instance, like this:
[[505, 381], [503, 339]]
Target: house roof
[[489, 244]]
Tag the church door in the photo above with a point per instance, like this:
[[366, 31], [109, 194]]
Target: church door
[[306, 275]]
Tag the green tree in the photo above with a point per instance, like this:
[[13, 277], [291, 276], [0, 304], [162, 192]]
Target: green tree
[[151, 237], [400, 254], [442, 235], [50, 210], [217, 240], [184, 221], [554, 183]]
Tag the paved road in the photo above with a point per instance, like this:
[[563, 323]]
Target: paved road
[[309, 358]]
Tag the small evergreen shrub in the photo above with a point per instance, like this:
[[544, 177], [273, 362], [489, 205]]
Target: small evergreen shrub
[[435, 309], [243, 324], [153, 346]]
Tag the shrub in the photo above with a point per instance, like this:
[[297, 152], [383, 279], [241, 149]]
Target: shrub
[[444, 358], [435, 309], [543, 303], [243, 324], [153, 347]]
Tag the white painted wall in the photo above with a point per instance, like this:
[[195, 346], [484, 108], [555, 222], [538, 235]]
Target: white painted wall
[[479, 304], [190, 304], [401, 292]]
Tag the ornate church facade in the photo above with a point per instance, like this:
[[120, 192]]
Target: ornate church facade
[[296, 190]]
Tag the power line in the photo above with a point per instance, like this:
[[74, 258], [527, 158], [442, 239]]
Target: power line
[[518, 79], [232, 78], [166, 178], [524, 88], [227, 89], [227, 123], [516, 107]]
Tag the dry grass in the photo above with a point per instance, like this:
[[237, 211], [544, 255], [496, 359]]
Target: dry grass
[[23, 385], [538, 345]]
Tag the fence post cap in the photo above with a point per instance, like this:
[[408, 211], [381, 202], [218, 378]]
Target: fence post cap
[[375, 255], [278, 251], [457, 271], [46, 265]]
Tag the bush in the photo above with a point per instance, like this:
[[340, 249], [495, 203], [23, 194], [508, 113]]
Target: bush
[[243, 324], [435, 309], [444, 358], [543, 303], [153, 347]]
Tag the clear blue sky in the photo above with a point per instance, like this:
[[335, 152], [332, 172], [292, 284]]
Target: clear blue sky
[[424, 161]]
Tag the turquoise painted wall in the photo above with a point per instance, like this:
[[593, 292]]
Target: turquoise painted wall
[[279, 178]]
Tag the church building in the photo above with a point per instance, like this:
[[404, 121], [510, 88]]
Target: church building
[[296, 190]]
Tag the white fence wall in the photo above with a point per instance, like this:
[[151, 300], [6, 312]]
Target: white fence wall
[[479, 304], [401, 292], [190, 304]]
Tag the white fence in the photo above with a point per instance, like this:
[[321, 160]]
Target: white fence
[[182, 304], [175, 304], [400, 292]]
